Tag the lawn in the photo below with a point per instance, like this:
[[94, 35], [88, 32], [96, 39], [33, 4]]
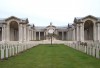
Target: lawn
[[47, 56]]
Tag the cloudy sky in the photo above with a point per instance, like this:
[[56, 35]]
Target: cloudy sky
[[42, 12]]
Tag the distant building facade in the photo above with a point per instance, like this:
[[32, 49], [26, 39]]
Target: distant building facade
[[18, 29]]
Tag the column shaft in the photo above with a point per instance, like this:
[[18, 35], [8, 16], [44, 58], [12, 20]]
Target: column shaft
[[62, 35], [24, 32], [44, 35], [39, 35], [98, 32], [3, 33], [94, 31], [8, 36], [82, 32], [20, 32], [77, 29], [34, 35], [74, 34]]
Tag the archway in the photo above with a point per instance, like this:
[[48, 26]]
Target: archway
[[14, 31], [88, 30]]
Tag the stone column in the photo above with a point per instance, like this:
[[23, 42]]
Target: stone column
[[82, 32], [31, 34], [44, 35], [27, 33], [77, 29], [39, 35], [68, 35], [3, 33], [94, 31], [62, 35], [71, 34], [98, 32], [20, 32], [8, 30], [34, 35], [24, 32], [74, 34], [79, 33]]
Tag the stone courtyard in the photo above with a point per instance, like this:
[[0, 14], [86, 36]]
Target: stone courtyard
[[17, 35]]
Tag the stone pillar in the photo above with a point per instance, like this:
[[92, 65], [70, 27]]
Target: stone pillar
[[31, 34], [94, 31], [74, 34], [34, 35], [77, 29], [24, 32], [27, 33], [20, 32], [82, 32], [68, 35], [8, 30], [3, 33], [39, 35], [62, 35], [44, 35], [98, 32]]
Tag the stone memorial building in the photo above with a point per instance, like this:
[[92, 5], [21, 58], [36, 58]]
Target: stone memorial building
[[18, 29]]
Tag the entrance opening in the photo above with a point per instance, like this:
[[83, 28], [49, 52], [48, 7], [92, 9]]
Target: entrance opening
[[14, 32], [88, 30]]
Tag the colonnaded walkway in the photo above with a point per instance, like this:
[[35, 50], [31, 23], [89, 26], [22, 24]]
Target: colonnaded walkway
[[51, 56]]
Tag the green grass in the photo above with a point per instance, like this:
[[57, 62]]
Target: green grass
[[47, 56]]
